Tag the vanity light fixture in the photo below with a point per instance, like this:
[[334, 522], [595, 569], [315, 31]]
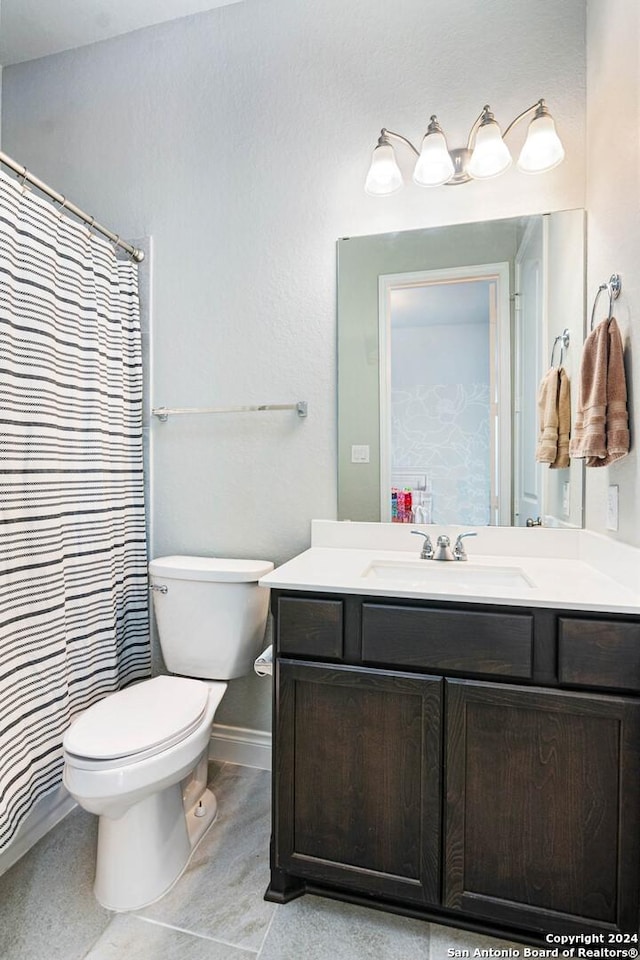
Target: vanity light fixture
[[486, 154]]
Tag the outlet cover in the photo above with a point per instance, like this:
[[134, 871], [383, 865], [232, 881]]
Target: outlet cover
[[360, 453], [612, 507]]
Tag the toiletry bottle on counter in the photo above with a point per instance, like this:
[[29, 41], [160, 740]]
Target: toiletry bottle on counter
[[402, 505], [423, 512]]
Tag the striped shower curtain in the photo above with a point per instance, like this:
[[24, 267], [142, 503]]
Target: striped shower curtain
[[73, 581]]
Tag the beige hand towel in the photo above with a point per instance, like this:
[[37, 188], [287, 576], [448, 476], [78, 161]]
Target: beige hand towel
[[547, 446], [589, 436], [564, 420], [601, 433], [617, 417]]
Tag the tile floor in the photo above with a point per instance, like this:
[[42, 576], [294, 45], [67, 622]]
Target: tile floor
[[216, 910]]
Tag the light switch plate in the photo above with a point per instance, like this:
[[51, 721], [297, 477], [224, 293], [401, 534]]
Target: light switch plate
[[360, 453], [612, 507]]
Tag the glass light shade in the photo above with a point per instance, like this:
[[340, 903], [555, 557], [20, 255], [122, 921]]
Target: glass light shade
[[490, 155], [384, 175], [542, 149], [434, 165]]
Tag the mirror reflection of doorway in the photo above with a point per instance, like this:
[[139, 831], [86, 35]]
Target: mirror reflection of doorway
[[445, 409]]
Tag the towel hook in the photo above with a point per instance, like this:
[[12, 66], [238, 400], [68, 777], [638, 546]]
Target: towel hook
[[613, 286], [24, 176], [564, 339]]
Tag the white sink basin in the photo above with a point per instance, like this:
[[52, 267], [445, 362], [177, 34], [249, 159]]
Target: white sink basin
[[449, 575]]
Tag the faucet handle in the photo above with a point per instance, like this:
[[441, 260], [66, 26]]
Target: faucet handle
[[459, 551], [427, 547]]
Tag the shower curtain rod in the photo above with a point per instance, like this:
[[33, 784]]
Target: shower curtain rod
[[24, 174]]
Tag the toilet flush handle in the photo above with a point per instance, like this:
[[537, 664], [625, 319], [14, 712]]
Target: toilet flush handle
[[161, 588]]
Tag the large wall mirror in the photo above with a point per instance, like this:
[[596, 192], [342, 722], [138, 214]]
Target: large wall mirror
[[443, 337]]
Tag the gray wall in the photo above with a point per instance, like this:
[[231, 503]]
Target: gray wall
[[239, 140]]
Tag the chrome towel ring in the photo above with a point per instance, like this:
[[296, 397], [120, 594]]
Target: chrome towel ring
[[613, 286], [564, 339]]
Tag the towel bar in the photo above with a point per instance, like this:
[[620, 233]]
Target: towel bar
[[163, 413]]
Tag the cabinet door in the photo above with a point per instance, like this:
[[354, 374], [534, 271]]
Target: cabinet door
[[357, 779], [542, 810]]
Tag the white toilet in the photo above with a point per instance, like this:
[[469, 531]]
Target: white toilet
[[138, 758]]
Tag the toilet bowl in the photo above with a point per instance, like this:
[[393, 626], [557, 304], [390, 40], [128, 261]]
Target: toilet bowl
[[131, 776], [138, 758]]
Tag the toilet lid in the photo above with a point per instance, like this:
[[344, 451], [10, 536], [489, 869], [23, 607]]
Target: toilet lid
[[150, 714]]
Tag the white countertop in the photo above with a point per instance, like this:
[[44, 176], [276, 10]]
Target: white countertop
[[560, 582]]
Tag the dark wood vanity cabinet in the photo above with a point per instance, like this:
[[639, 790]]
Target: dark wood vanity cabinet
[[490, 786], [359, 761], [542, 807]]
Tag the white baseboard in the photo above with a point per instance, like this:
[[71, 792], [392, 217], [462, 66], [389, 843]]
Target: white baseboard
[[45, 815], [249, 748]]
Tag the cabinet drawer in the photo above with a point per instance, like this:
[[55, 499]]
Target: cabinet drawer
[[599, 653], [479, 643], [310, 627]]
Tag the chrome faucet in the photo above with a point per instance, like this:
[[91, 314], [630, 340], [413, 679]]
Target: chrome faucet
[[443, 549], [459, 552], [427, 547]]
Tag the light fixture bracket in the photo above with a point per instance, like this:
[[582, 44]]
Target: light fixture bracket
[[460, 158]]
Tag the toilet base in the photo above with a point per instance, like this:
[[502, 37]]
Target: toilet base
[[143, 853], [200, 818]]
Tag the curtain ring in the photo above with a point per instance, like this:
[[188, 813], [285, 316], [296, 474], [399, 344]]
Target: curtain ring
[[89, 228], [62, 206], [116, 243], [23, 176]]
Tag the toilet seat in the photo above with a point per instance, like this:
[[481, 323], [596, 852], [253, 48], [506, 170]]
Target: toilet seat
[[136, 723]]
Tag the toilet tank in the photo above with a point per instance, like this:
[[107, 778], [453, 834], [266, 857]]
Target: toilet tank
[[212, 616]]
